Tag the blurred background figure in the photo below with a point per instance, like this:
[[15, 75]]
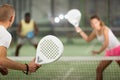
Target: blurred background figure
[[27, 30]]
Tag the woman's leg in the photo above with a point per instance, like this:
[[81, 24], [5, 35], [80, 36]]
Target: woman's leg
[[118, 61], [102, 65]]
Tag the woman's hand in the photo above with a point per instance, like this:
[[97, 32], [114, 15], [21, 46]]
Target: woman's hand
[[95, 52], [78, 29]]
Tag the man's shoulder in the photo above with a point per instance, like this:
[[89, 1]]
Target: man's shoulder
[[22, 20], [4, 32], [32, 20]]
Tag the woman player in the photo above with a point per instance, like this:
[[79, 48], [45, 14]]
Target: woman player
[[109, 42]]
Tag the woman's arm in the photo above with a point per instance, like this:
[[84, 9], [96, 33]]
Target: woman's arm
[[106, 41], [84, 35]]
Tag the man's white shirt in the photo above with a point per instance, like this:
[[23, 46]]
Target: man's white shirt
[[5, 37]]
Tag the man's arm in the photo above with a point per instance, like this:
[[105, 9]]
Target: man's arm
[[19, 29], [5, 62], [36, 30]]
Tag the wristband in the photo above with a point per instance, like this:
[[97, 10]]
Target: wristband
[[27, 69]]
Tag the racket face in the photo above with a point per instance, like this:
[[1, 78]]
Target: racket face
[[49, 49], [73, 16]]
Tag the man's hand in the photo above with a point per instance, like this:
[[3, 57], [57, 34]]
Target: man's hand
[[3, 70], [33, 66]]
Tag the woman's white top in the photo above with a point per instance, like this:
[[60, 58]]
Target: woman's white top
[[113, 41]]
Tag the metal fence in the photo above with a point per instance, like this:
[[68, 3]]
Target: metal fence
[[43, 10], [108, 10]]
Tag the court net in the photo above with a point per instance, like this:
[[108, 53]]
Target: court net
[[67, 68]]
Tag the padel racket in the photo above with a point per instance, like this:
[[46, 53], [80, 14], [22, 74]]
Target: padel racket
[[73, 16], [49, 49]]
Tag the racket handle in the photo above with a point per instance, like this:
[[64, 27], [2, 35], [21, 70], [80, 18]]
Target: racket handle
[[78, 29], [38, 60], [76, 24]]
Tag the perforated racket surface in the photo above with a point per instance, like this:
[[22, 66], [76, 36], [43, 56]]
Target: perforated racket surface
[[49, 49], [73, 16]]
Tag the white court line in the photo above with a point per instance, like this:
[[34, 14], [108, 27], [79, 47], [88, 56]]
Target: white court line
[[68, 73]]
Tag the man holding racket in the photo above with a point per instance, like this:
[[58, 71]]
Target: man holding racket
[[109, 43], [27, 30], [7, 15]]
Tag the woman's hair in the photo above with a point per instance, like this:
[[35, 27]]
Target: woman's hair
[[6, 11], [98, 18]]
